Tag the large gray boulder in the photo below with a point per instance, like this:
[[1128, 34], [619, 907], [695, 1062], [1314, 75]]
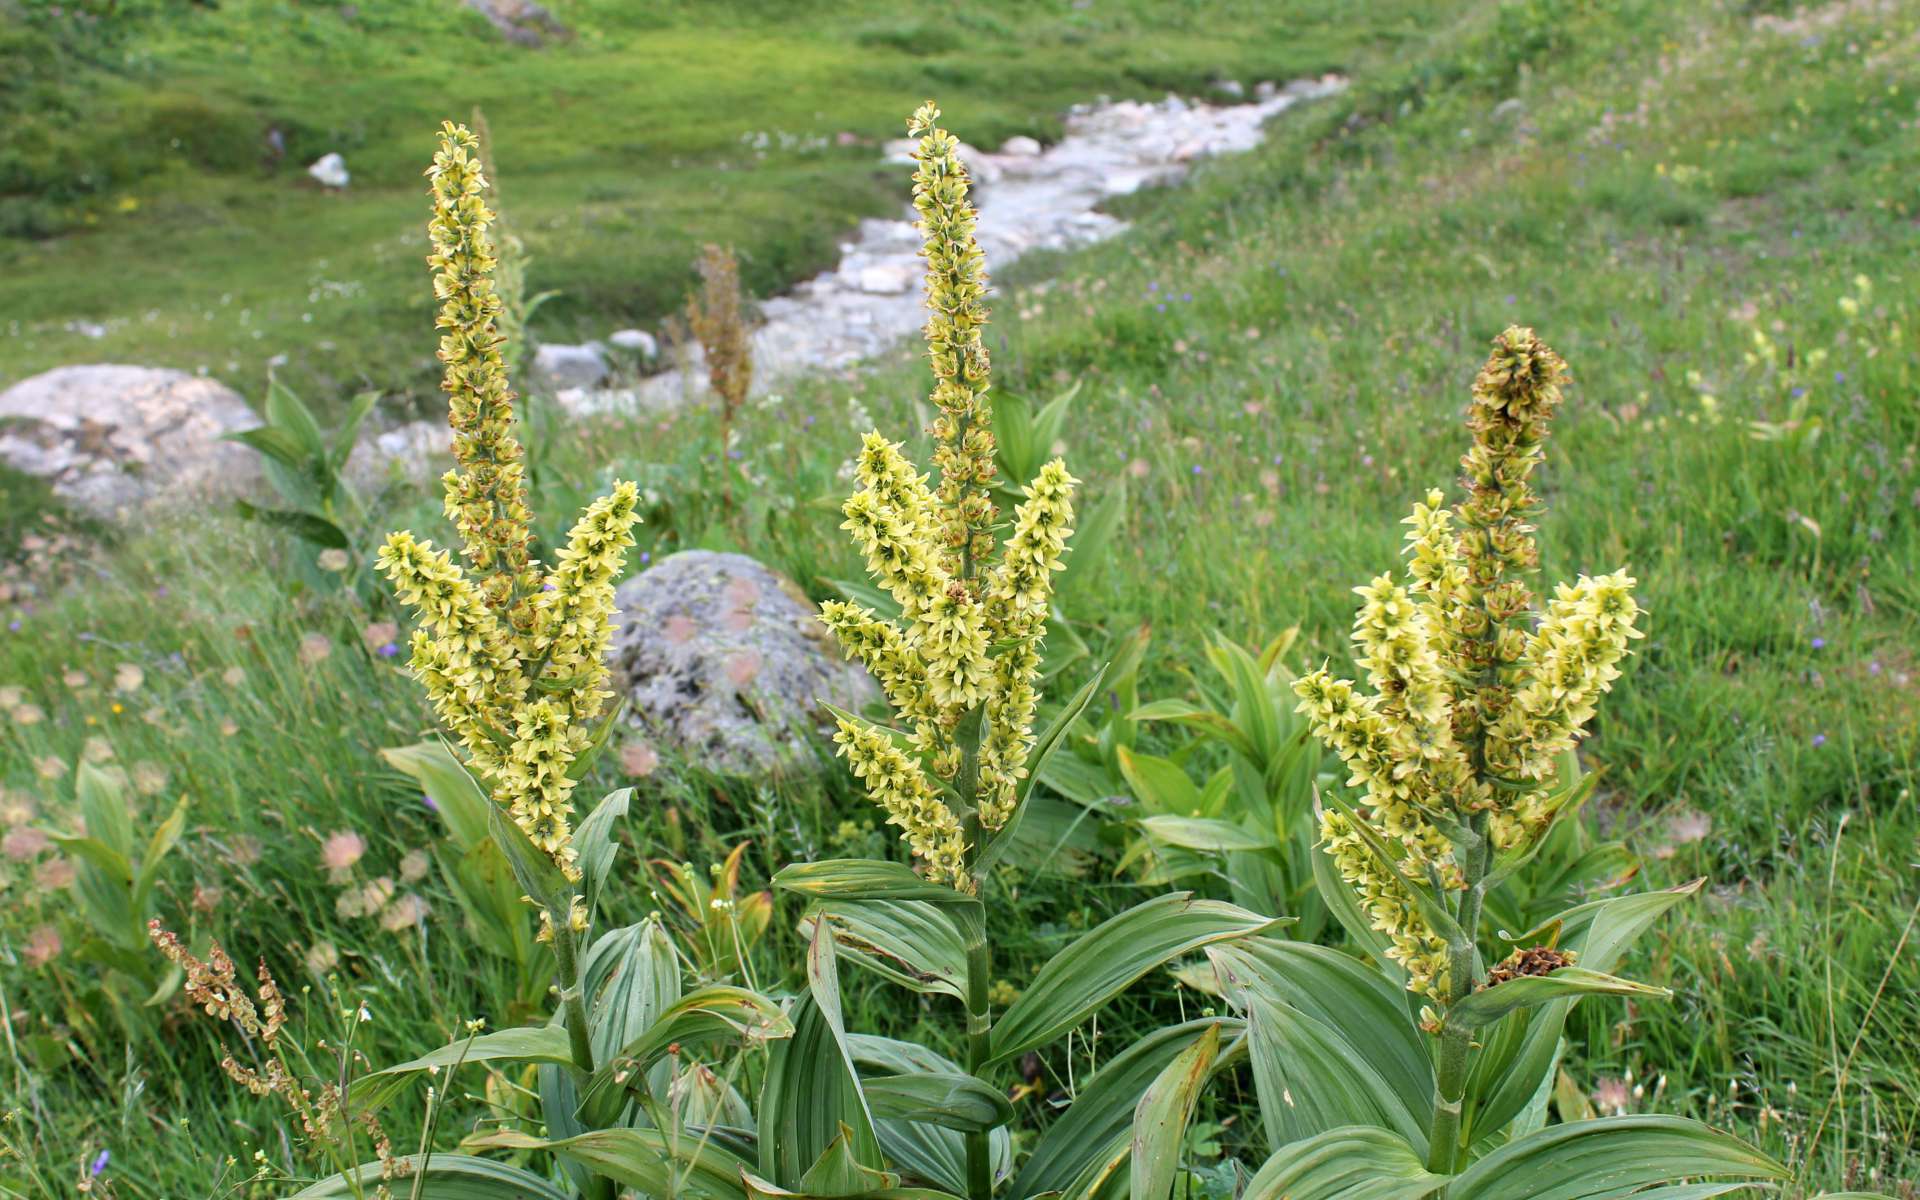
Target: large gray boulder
[[113, 438], [726, 661], [557, 366]]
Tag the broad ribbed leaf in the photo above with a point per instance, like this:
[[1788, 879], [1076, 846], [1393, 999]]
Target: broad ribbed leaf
[[1520, 1053], [1345, 1164], [1367, 1010], [632, 979], [1205, 833], [534, 870], [1312, 1080], [1612, 1157], [1160, 784], [460, 801], [864, 879], [1160, 1118], [1490, 1004], [951, 1100], [597, 839], [543, 1043], [812, 1091], [1102, 962], [1102, 1113], [923, 1151], [647, 1160], [446, 1177], [711, 1014], [910, 942]]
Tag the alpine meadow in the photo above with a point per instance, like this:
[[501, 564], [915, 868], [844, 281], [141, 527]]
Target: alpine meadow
[[1066, 600]]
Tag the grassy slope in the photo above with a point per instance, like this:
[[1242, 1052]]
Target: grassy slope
[[624, 147], [1343, 283]]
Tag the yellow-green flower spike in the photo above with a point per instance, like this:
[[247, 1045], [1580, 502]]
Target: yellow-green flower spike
[[486, 494], [515, 664], [1469, 711], [956, 313], [967, 641]]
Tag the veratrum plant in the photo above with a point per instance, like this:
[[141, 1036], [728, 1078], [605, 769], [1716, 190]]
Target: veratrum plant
[[1428, 1074], [512, 658], [959, 668]]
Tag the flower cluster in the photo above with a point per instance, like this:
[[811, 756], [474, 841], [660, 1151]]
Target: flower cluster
[[513, 663], [1472, 703], [959, 664]]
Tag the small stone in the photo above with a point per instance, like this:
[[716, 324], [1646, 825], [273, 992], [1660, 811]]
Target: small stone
[[1020, 146], [727, 662], [887, 279], [330, 170], [1230, 88], [522, 22], [638, 340], [560, 366], [1265, 90]]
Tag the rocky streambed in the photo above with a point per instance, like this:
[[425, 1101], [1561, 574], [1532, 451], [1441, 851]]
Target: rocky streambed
[[1030, 197]]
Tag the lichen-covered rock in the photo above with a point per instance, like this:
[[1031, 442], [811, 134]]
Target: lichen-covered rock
[[111, 438], [725, 661]]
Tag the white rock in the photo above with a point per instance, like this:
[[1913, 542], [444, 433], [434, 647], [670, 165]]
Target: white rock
[[331, 170], [1230, 88], [1020, 146], [558, 366], [887, 279], [636, 339], [1265, 90], [114, 438]]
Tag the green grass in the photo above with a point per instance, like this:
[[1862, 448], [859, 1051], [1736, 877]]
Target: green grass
[[1271, 430], [144, 196]]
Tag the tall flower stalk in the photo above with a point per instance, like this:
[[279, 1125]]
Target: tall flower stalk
[[511, 651], [959, 663], [1476, 695]]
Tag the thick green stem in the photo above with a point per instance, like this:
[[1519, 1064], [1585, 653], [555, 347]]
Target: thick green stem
[[979, 954], [979, 1047], [566, 954], [1444, 1150]]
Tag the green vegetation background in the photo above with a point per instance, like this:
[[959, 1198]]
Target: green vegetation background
[[1273, 363]]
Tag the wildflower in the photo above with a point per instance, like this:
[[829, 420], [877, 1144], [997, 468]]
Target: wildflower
[[49, 766], [15, 810], [23, 843], [339, 853], [28, 714], [149, 778], [99, 1164], [43, 946], [960, 665], [233, 677], [315, 648], [321, 957], [1473, 702], [128, 677], [513, 656], [334, 559], [638, 759], [413, 866], [1612, 1096], [378, 635], [404, 913], [54, 875]]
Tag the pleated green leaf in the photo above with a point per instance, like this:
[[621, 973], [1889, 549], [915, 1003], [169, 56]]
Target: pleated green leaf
[[445, 1177], [1103, 961], [1612, 1157], [1360, 1163], [1160, 1118]]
